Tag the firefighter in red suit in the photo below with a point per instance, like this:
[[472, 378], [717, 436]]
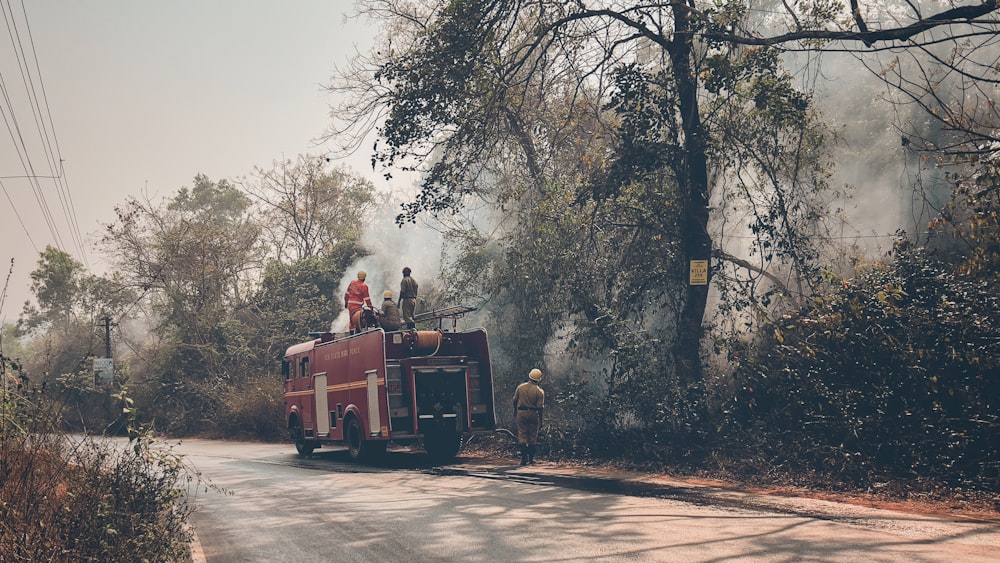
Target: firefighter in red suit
[[356, 298], [529, 399]]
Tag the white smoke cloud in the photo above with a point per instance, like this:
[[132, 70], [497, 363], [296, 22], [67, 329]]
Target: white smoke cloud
[[418, 246]]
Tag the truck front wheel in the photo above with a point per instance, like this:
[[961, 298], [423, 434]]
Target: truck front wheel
[[298, 436]]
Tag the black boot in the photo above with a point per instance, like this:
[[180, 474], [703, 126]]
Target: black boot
[[524, 453], [531, 453]]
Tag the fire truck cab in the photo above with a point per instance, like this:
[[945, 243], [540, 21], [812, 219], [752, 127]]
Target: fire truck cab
[[365, 390]]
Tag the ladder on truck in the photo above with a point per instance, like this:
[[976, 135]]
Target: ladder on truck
[[453, 313]]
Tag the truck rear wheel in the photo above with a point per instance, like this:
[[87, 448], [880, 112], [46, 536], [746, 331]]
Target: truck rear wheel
[[360, 448]]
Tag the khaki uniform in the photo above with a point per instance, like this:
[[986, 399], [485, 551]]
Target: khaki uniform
[[529, 399], [408, 300], [390, 319]]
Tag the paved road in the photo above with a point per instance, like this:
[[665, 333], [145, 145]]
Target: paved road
[[277, 507]]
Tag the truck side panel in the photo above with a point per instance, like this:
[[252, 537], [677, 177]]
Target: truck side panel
[[347, 364]]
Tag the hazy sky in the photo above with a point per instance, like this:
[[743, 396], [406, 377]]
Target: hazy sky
[[141, 95]]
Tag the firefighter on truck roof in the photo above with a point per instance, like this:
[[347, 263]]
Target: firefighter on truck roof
[[356, 298], [389, 318], [408, 298], [529, 399]]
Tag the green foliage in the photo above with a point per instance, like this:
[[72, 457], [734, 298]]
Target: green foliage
[[62, 334], [972, 218], [895, 371], [594, 259], [298, 298], [65, 294], [13, 347], [193, 257], [432, 81], [208, 200], [228, 288], [254, 410], [648, 134], [55, 284], [489, 96], [86, 408]]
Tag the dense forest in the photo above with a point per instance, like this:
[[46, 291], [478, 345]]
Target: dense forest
[[572, 160]]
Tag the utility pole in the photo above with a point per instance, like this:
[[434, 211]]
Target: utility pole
[[107, 336]]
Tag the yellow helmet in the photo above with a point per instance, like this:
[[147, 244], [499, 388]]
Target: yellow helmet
[[387, 294], [535, 375], [362, 275]]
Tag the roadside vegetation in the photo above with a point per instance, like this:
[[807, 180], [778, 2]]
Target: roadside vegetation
[[77, 498]]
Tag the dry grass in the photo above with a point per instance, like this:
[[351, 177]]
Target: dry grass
[[78, 499]]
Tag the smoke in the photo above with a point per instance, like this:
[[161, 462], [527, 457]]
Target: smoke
[[392, 247], [877, 186], [870, 100], [870, 177]]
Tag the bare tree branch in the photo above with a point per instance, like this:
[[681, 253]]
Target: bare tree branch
[[958, 15]]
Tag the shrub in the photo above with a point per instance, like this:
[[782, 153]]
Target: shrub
[[73, 498], [253, 410], [894, 372]]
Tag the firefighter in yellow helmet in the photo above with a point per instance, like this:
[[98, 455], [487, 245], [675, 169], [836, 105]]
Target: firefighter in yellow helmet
[[389, 318], [529, 399], [355, 299]]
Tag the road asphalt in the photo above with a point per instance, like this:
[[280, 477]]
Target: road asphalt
[[912, 519], [931, 522]]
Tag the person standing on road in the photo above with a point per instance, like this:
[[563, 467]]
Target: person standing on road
[[529, 399], [408, 298]]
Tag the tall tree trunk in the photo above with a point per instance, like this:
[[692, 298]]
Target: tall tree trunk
[[696, 241]]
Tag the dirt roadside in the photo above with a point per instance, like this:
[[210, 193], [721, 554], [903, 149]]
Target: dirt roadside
[[962, 520]]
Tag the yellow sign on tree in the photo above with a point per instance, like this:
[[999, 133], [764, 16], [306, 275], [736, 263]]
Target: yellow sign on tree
[[699, 272]]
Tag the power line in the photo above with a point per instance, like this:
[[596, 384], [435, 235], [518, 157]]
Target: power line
[[10, 119], [62, 182], [18, 215], [14, 128], [47, 138]]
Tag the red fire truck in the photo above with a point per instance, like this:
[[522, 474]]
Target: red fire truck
[[365, 390]]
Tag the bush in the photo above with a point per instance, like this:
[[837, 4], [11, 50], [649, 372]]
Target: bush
[[895, 372], [253, 410], [72, 498]]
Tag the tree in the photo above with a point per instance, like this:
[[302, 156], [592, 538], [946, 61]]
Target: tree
[[892, 371], [451, 91], [63, 325], [312, 219], [194, 258], [296, 299], [309, 212], [63, 330], [56, 287], [12, 347]]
